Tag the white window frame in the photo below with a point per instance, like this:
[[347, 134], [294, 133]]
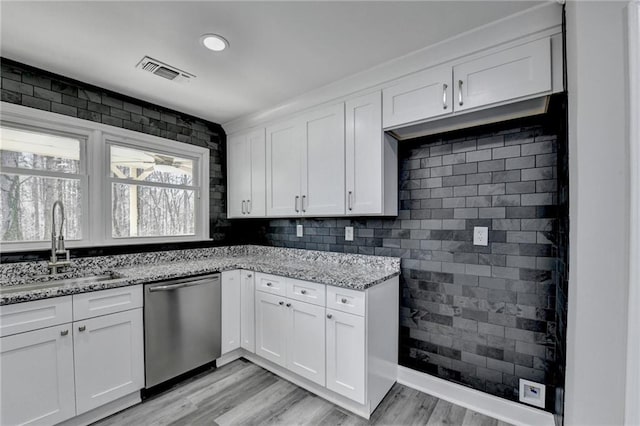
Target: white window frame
[[96, 180]]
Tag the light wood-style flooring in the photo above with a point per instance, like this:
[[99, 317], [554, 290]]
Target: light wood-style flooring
[[241, 393]]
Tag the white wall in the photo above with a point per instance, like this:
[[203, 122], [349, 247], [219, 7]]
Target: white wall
[[599, 206]]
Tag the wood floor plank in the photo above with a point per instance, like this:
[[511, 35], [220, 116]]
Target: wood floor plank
[[241, 393]]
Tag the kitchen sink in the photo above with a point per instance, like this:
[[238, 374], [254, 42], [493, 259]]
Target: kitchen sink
[[56, 283]]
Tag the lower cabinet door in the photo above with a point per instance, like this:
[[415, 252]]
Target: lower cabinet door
[[271, 320], [230, 321], [346, 355], [109, 358], [306, 340], [36, 376], [247, 311]]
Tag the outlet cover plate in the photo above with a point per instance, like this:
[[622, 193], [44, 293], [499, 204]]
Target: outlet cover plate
[[532, 393], [480, 236], [299, 231], [348, 233]]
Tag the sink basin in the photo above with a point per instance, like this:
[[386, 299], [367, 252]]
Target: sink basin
[[56, 283]]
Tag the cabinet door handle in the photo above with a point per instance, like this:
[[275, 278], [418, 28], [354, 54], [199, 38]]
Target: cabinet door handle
[[344, 300], [304, 197], [296, 203], [242, 206], [82, 328], [288, 305], [249, 275], [268, 284], [350, 200], [329, 316], [281, 303], [64, 332], [303, 291], [460, 92], [444, 96], [248, 206]]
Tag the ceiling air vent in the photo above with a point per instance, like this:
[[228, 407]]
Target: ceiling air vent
[[163, 70]]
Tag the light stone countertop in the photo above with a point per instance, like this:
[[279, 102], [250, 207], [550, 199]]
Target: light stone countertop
[[357, 272]]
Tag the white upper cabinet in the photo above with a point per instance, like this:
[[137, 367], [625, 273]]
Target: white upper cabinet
[[246, 175], [323, 162], [513, 73], [423, 95], [284, 167], [371, 160]]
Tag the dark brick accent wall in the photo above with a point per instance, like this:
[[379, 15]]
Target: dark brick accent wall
[[24, 85], [480, 316]]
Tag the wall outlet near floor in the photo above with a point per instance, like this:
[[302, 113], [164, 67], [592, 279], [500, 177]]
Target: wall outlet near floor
[[299, 232], [480, 236], [532, 393], [348, 233]]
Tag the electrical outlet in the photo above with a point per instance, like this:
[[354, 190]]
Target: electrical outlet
[[299, 232], [348, 233], [532, 393], [480, 236]]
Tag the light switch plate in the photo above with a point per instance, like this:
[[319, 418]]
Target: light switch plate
[[480, 236], [299, 232], [348, 233]]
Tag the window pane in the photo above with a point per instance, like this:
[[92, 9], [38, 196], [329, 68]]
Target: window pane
[[147, 211], [26, 203], [33, 150], [150, 166]]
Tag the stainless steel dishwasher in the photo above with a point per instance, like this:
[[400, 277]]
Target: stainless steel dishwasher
[[181, 326]]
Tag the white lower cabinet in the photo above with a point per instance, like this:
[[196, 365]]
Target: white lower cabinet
[[230, 321], [36, 372], [346, 354], [306, 340], [109, 358], [49, 375], [271, 318], [247, 311]]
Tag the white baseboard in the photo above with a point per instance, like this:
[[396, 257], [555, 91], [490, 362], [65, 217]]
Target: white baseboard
[[498, 408]]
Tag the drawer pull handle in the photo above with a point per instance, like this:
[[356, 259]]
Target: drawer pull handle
[[344, 300], [281, 303], [268, 284], [288, 305], [329, 316], [64, 332], [82, 328], [303, 291]]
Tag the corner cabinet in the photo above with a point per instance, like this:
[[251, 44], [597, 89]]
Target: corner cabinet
[[246, 176], [305, 165]]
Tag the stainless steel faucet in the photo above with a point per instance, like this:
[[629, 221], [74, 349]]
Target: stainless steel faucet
[[57, 241]]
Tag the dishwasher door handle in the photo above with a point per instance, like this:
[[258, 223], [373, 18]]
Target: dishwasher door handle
[[179, 285]]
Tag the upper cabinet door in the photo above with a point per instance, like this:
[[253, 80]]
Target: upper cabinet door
[[364, 155], [255, 205], [420, 96], [284, 167], [323, 155], [239, 174], [510, 74]]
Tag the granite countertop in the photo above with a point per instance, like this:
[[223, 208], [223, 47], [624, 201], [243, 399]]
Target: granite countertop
[[22, 283]]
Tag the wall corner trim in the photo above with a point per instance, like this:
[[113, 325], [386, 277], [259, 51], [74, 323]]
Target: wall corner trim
[[484, 403]]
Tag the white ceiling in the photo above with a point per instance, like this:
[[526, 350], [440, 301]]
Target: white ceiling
[[278, 50]]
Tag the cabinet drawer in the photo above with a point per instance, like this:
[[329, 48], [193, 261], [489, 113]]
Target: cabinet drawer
[[21, 317], [306, 291], [271, 284], [345, 300], [103, 302]]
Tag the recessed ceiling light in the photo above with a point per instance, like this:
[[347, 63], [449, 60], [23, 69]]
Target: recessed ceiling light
[[214, 42]]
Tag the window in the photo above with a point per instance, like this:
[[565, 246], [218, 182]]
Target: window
[[117, 186], [152, 193], [38, 168]]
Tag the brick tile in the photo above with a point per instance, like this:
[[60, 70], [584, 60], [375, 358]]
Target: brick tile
[[491, 213], [12, 97], [465, 191], [483, 155], [479, 178], [506, 152], [37, 103], [464, 169], [17, 87], [520, 163], [454, 159], [491, 166], [538, 148], [506, 176], [506, 200], [453, 180], [491, 189], [64, 109], [478, 201], [539, 173], [465, 213]]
